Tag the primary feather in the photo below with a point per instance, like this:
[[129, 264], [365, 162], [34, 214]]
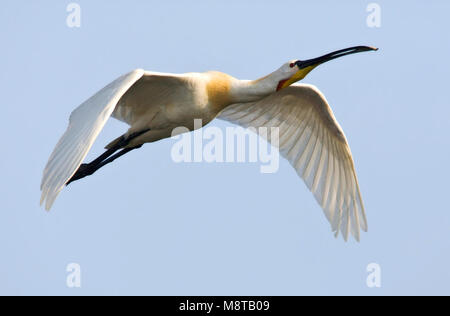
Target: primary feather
[[315, 145], [85, 124]]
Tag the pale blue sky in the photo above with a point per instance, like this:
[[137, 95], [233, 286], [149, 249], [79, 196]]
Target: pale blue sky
[[146, 225]]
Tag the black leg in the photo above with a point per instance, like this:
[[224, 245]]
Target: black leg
[[106, 158], [90, 170]]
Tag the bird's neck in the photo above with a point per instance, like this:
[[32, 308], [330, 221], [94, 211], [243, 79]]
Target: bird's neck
[[224, 90], [254, 90]]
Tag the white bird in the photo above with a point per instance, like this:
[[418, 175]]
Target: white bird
[[154, 104]]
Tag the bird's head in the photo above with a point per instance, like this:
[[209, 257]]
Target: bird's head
[[296, 70]]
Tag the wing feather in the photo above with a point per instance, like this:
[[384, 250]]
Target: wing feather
[[85, 124], [315, 145], [313, 159]]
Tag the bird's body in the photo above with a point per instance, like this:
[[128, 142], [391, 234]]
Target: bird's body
[[162, 102], [155, 104]]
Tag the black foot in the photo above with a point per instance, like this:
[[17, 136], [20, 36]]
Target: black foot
[[109, 156], [85, 170]]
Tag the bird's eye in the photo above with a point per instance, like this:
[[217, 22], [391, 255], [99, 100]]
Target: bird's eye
[[292, 65]]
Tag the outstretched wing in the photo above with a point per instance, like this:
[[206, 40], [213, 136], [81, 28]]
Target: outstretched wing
[[315, 145], [85, 125]]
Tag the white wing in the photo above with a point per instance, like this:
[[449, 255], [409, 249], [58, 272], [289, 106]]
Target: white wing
[[86, 122], [315, 145]]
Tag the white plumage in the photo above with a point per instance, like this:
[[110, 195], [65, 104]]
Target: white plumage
[[154, 104], [314, 143], [85, 124]]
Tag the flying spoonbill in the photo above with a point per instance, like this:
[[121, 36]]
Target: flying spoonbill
[[154, 104]]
